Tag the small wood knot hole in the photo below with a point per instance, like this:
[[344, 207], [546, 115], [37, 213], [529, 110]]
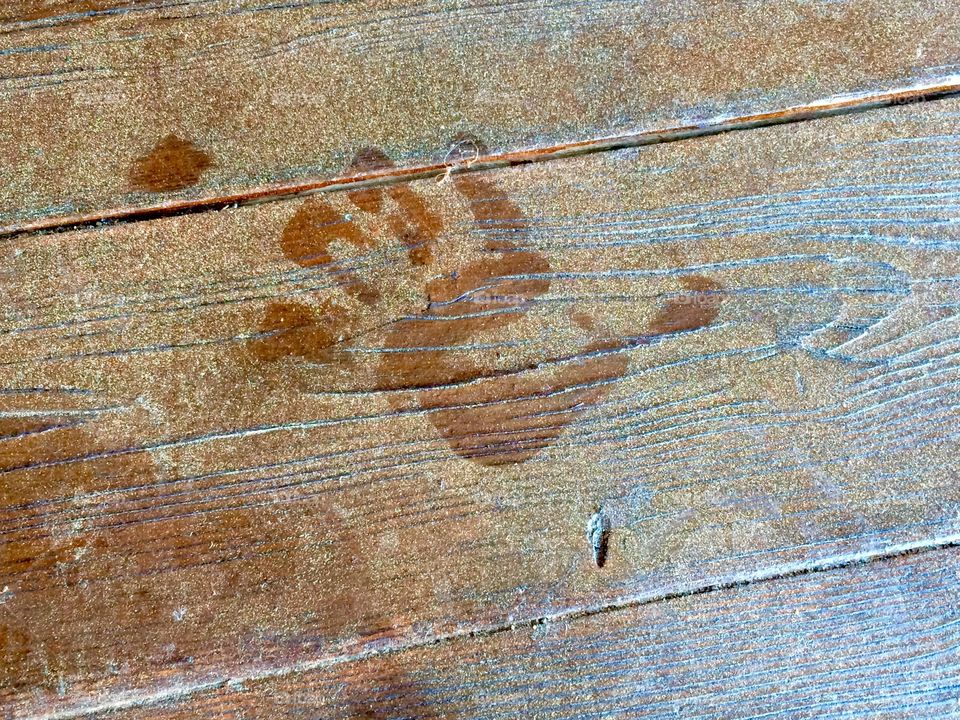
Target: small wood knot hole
[[598, 535]]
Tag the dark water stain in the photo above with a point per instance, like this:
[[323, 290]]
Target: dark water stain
[[368, 160], [307, 240], [16, 427], [479, 297], [413, 223], [291, 329], [484, 417], [487, 417], [509, 419], [172, 164], [384, 691], [52, 465], [415, 226], [310, 239], [74, 10], [313, 228], [486, 413], [692, 311]]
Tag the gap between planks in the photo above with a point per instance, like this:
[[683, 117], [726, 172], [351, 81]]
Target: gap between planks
[[176, 693], [822, 108]]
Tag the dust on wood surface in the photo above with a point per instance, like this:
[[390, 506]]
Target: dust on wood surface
[[110, 104], [238, 441]]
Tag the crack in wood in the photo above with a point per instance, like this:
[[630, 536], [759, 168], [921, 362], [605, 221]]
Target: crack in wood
[[817, 109]]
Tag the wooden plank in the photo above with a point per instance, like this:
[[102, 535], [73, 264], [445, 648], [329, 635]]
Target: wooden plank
[[238, 441], [110, 106], [879, 641]]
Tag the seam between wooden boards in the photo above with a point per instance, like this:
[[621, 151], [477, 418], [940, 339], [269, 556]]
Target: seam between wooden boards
[[846, 104], [177, 693]]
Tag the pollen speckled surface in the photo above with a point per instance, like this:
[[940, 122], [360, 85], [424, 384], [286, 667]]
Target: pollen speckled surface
[[660, 431]]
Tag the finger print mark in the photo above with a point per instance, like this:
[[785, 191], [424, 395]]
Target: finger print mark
[[367, 199], [317, 227], [310, 330], [172, 164], [310, 233], [415, 226]]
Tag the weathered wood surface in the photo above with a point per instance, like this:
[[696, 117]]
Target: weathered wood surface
[[113, 105], [237, 441], [880, 641]]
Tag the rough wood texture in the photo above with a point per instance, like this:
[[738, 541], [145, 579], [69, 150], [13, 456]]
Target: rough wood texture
[[880, 641], [237, 441], [110, 104]]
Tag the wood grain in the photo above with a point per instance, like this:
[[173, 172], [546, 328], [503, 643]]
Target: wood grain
[[879, 641], [238, 441], [113, 105]]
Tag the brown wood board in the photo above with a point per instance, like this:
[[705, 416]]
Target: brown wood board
[[237, 441], [115, 107], [878, 641]]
